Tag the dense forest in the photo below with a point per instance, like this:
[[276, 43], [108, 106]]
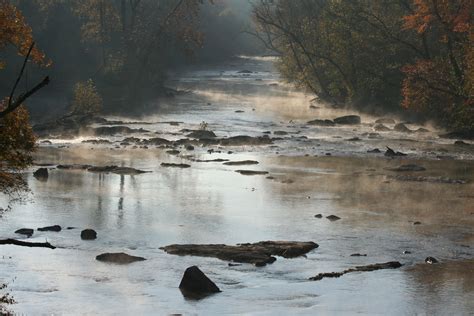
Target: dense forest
[[387, 55]]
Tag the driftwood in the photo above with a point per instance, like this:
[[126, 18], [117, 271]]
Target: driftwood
[[15, 242]]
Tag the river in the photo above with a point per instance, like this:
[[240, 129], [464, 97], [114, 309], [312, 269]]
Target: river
[[211, 203]]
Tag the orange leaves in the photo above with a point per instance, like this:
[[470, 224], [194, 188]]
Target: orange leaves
[[14, 31], [453, 16]]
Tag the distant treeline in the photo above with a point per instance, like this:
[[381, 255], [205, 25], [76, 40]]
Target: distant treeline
[[388, 54], [123, 48]]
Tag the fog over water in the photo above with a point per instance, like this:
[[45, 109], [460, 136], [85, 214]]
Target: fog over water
[[211, 203]]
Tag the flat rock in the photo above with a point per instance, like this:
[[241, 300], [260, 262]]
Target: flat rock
[[116, 169], [118, 258], [201, 134], [25, 231], [73, 167], [318, 122], [174, 165], [155, 141], [370, 267], [195, 284], [348, 120], [259, 253], [251, 172], [409, 167], [54, 228], [445, 180], [241, 163], [280, 133], [244, 140]]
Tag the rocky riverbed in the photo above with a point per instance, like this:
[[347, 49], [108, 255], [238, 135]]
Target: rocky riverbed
[[267, 164]]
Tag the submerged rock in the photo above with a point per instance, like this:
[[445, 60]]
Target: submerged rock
[[25, 231], [174, 165], [118, 257], [73, 167], [409, 167], [251, 172], [348, 120], [195, 284], [156, 141], [429, 179], [370, 267], [318, 215], [173, 152], [359, 255], [241, 163], [461, 143], [259, 253], [88, 234], [41, 174], [54, 228]]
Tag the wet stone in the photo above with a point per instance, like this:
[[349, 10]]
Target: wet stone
[[196, 285], [118, 258], [88, 234], [256, 253], [25, 231], [54, 228]]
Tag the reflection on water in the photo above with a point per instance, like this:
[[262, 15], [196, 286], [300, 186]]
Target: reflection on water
[[211, 203]]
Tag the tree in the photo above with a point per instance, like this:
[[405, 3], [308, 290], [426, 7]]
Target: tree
[[442, 84], [17, 141]]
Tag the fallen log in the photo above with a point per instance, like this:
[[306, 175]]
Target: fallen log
[[15, 242], [370, 267]]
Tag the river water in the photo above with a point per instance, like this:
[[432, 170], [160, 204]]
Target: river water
[[211, 203]]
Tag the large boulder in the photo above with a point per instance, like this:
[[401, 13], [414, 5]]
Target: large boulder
[[88, 234], [118, 258], [41, 174], [195, 284], [348, 120]]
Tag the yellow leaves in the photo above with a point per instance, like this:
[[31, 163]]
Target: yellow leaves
[[15, 31], [87, 99]]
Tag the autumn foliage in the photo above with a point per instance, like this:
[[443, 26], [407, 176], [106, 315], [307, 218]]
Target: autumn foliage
[[378, 54], [17, 140]]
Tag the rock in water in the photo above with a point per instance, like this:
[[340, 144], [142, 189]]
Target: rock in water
[[333, 218], [88, 234], [41, 174], [431, 260], [319, 122], [391, 153], [202, 134], [25, 231], [195, 284], [54, 228], [348, 120], [381, 128], [118, 257], [400, 127]]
